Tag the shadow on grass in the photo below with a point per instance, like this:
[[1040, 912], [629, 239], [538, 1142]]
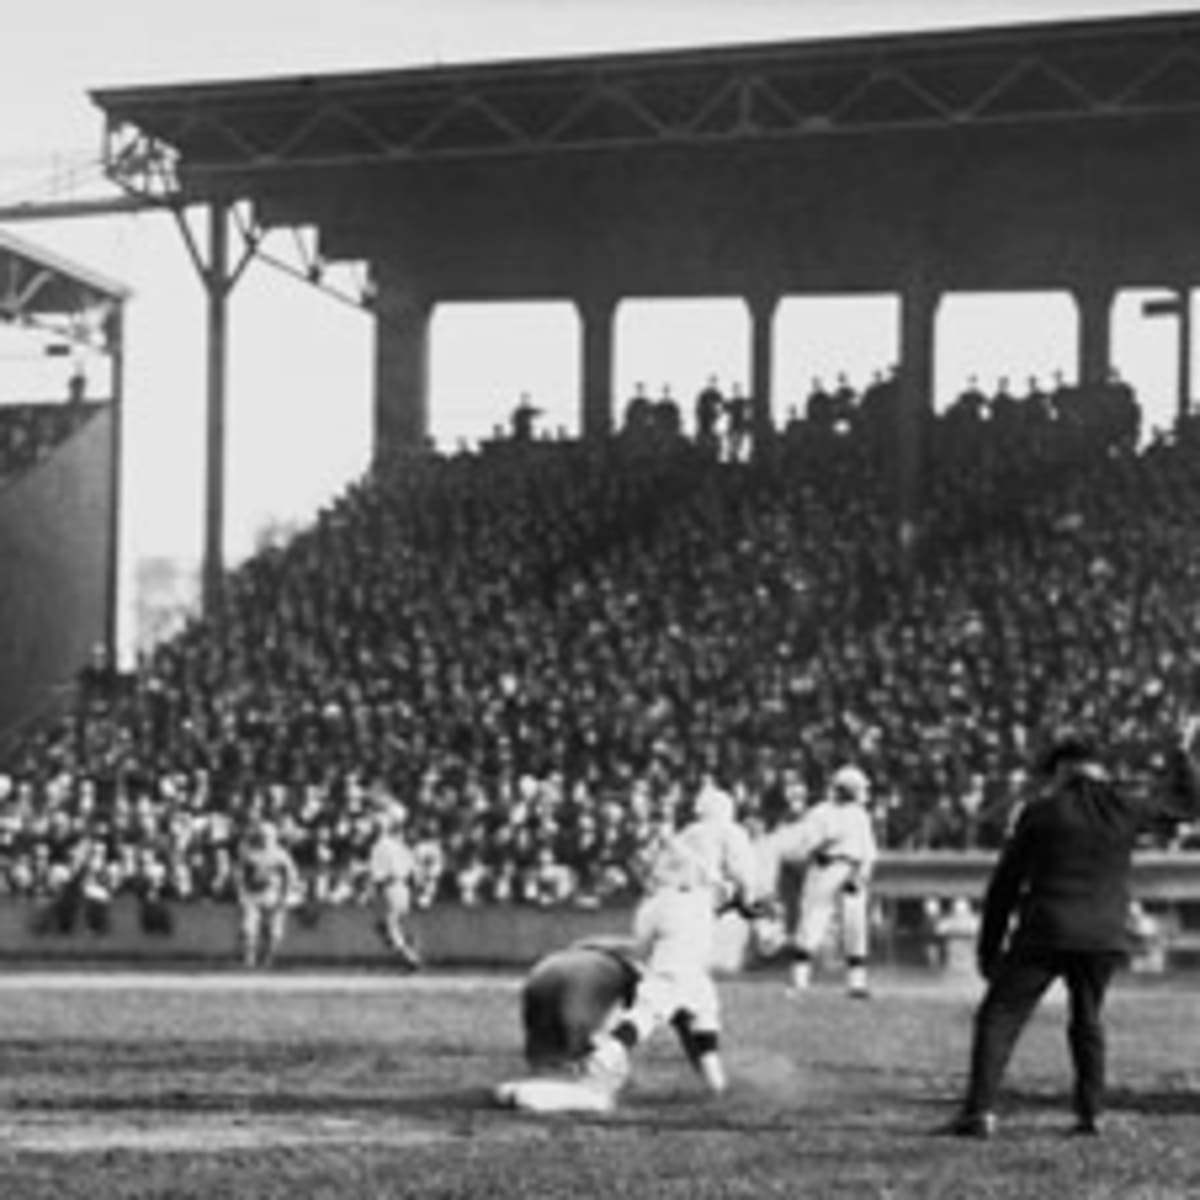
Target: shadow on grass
[[458, 1109], [1151, 1101], [438, 1104]]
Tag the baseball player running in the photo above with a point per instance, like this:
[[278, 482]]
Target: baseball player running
[[835, 842], [393, 867], [267, 879]]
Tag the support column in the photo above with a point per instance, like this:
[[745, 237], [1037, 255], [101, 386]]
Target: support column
[[1179, 305], [1094, 302], [402, 315], [762, 354], [598, 316], [217, 285], [918, 316], [1184, 400], [114, 340]]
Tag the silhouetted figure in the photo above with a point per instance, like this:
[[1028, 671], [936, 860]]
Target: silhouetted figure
[[738, 415], [819, 408], [668, 421], [77, 387], [710, 403], [638, 412], [523, 419]]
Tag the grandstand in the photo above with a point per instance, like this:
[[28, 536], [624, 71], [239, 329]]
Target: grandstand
[[542, 648], [59, 472]]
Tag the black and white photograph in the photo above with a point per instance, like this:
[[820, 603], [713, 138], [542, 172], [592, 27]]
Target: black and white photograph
[[600, 600]]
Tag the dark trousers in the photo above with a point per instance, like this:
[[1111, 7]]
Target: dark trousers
[[1019, 982]]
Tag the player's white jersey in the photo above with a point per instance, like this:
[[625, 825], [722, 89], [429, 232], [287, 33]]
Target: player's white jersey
[[843, 832], [391, 861], [829, 832], [712, 856]]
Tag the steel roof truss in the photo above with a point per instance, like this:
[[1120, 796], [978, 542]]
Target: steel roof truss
[[353, 119], [23, 287], [140, 164], [1003, 83], [244, 145], [624, 94], [1085, 95], [936, 105], [870, 83], [1159, 69], [504, 124], [601, 94], [607, 107], [732, 87]]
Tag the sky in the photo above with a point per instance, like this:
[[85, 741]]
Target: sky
[[300, 368]]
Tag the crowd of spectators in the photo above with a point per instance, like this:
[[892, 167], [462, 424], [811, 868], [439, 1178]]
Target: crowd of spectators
[[541, 649]]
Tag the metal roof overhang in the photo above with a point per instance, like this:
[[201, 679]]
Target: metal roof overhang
[[196, 141], [36, 284]]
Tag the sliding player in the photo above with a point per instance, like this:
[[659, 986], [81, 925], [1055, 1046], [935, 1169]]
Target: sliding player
[[568, 999]]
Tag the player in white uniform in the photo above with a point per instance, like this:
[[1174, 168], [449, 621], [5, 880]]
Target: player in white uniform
[[705, 866], [267, 881], [392, 867], [835, 841]]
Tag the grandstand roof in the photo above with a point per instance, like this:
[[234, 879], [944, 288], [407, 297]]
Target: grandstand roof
[[1051, 71], [35, 282]]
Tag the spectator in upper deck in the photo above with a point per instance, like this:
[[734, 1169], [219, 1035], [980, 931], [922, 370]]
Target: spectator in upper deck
[[819, 408], [639, 413], [523, 419], [971, 405], [665, 416], [876, 417], [710, 404], [845, 402], [739, 418]]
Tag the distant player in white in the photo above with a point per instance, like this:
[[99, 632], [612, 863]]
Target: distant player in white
[[392, 867], [267, 880], [708, 864], [835, 842]]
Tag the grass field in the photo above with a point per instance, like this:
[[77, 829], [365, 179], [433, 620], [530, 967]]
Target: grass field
[[315, 1086]]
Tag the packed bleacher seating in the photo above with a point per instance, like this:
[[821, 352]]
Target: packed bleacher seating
[[541, 648]]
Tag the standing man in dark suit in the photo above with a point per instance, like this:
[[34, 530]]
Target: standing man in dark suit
[[1065, 874]]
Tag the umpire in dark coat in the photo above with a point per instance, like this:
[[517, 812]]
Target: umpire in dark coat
[[1065, 876]]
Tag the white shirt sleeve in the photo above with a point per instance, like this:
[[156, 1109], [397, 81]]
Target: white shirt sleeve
[[740, 863], [792, 844]]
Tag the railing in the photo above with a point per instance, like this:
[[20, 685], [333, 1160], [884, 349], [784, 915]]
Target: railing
[[1166, 876]]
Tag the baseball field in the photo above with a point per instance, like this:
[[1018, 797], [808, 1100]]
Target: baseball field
[[355, 1086]]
